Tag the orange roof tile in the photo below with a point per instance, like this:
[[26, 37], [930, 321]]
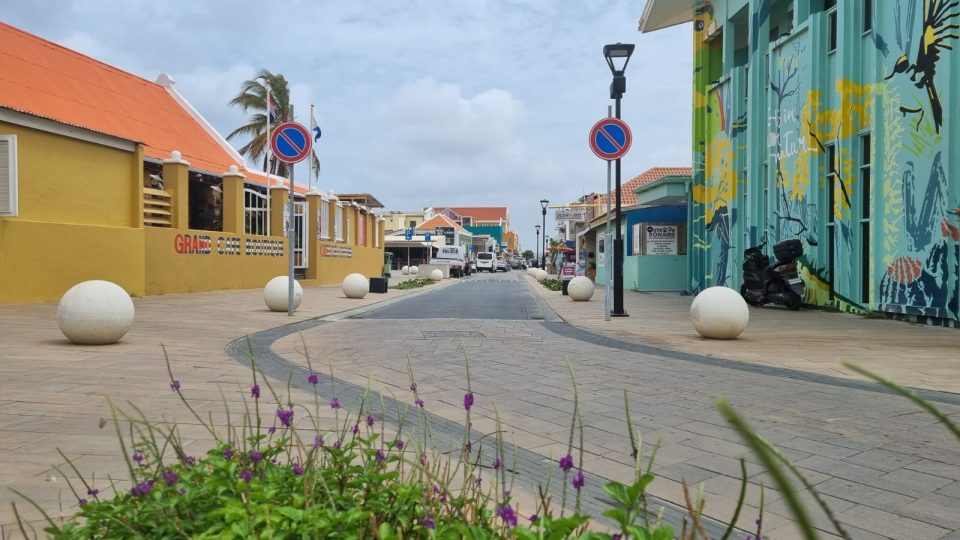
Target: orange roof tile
[[478, 213], [627, 189], [44, 79], [439, 220]]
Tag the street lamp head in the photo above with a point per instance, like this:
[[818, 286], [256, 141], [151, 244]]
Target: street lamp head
[[538, 229], [544, 203], [619, 52]]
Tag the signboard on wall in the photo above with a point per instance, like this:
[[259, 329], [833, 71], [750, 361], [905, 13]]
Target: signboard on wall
[[660, 239], [571, 214], [636, 239]]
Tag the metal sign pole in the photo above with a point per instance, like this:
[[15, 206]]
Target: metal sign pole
[[290, 240], [607, 267]]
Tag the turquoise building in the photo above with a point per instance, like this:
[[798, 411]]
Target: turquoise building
[[831, 121]]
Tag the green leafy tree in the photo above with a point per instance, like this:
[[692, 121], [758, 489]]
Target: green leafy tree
[[253, 98], [528, 254]]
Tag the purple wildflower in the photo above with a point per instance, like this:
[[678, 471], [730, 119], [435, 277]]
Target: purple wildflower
[[496, 464], [255, 391], [256, 457], [566, 463], [191, 460], [381, 457], [356, 429], [285, 416], [370, 420], [313, 379], [469, 446], [398, 444], [413, 387], [82, 501], [335, 403], [423, 459], [175, 385], [228, 453], [617, 536], [468, 400], [93, 492], [506, 513], [578, 480], [170, 477], [142, 488], [246, 476], [183, 490], [418, 403], [436, 488], [138, 457], [336, 444], [272, 429], [317, 441], [297, 469], [534, 518], [428, 523]]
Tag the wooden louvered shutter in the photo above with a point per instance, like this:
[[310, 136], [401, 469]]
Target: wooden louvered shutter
[[8, 175]]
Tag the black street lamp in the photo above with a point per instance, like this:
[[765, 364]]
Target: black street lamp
[[543, 205], [615, 54], [538, 241]]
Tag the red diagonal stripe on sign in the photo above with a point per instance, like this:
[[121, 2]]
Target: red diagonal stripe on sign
[[603, 131], [290, 142]]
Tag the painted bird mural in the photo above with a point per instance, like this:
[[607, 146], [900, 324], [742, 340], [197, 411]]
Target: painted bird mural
[[937, 30]]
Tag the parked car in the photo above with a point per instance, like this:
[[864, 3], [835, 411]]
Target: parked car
[[486, 261], [514, 263], [455, 257], [502, 265]]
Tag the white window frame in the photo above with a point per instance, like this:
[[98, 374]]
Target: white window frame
[[346, 227], [376, 231], [325, 219], [338, 223], [10, 182]]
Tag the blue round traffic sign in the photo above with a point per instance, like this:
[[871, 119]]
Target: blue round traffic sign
[[610, 139], [291, 142]]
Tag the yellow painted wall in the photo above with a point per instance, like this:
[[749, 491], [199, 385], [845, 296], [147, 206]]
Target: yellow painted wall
[[332, 268], [65, 180], [41, 261], [209, 268]]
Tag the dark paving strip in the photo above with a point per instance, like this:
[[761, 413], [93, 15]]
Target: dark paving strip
[[569, 331], [469, 299], [530, 467]]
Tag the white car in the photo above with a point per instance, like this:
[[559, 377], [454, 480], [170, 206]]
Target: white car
[[486, 261]]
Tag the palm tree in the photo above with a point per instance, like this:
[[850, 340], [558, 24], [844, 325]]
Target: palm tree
[[253, 97]]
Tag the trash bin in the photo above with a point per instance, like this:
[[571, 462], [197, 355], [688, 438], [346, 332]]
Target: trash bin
[[378, 285]]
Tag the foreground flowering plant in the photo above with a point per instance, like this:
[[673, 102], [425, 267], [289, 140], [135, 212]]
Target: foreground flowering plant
[[289, 480]]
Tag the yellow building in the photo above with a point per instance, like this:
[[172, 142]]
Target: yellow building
[[105, 175]]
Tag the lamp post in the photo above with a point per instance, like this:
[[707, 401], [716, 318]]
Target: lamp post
[[538, 241], [615, 54], [543, 206]]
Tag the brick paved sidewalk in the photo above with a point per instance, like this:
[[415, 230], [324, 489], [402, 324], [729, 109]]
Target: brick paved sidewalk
[[808, 340], [53, 393]]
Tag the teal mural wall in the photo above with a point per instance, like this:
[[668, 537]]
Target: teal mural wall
[[832, 129]]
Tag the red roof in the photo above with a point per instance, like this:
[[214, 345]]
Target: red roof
[[439, 220], [478, 213], [43, 79], [627, 189]]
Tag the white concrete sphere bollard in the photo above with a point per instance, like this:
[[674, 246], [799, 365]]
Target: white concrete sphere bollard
[[719, 313], [414, 270], [277, 291], [405, 270], [355, 286], [95, 313], [437, 274], [531, 271], [541, 275], [580, 289]]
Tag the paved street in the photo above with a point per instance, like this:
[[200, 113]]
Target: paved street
[[886, 469]]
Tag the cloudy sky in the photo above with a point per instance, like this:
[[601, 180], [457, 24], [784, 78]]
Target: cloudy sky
[[422, 103]]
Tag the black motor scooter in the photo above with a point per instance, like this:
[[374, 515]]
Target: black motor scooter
[[779, 283]]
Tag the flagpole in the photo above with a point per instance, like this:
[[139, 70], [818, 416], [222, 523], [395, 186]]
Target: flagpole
[[310, 176], [269, 156]]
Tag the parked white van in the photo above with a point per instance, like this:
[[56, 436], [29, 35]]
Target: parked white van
[[487, 261], [455, 257]]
